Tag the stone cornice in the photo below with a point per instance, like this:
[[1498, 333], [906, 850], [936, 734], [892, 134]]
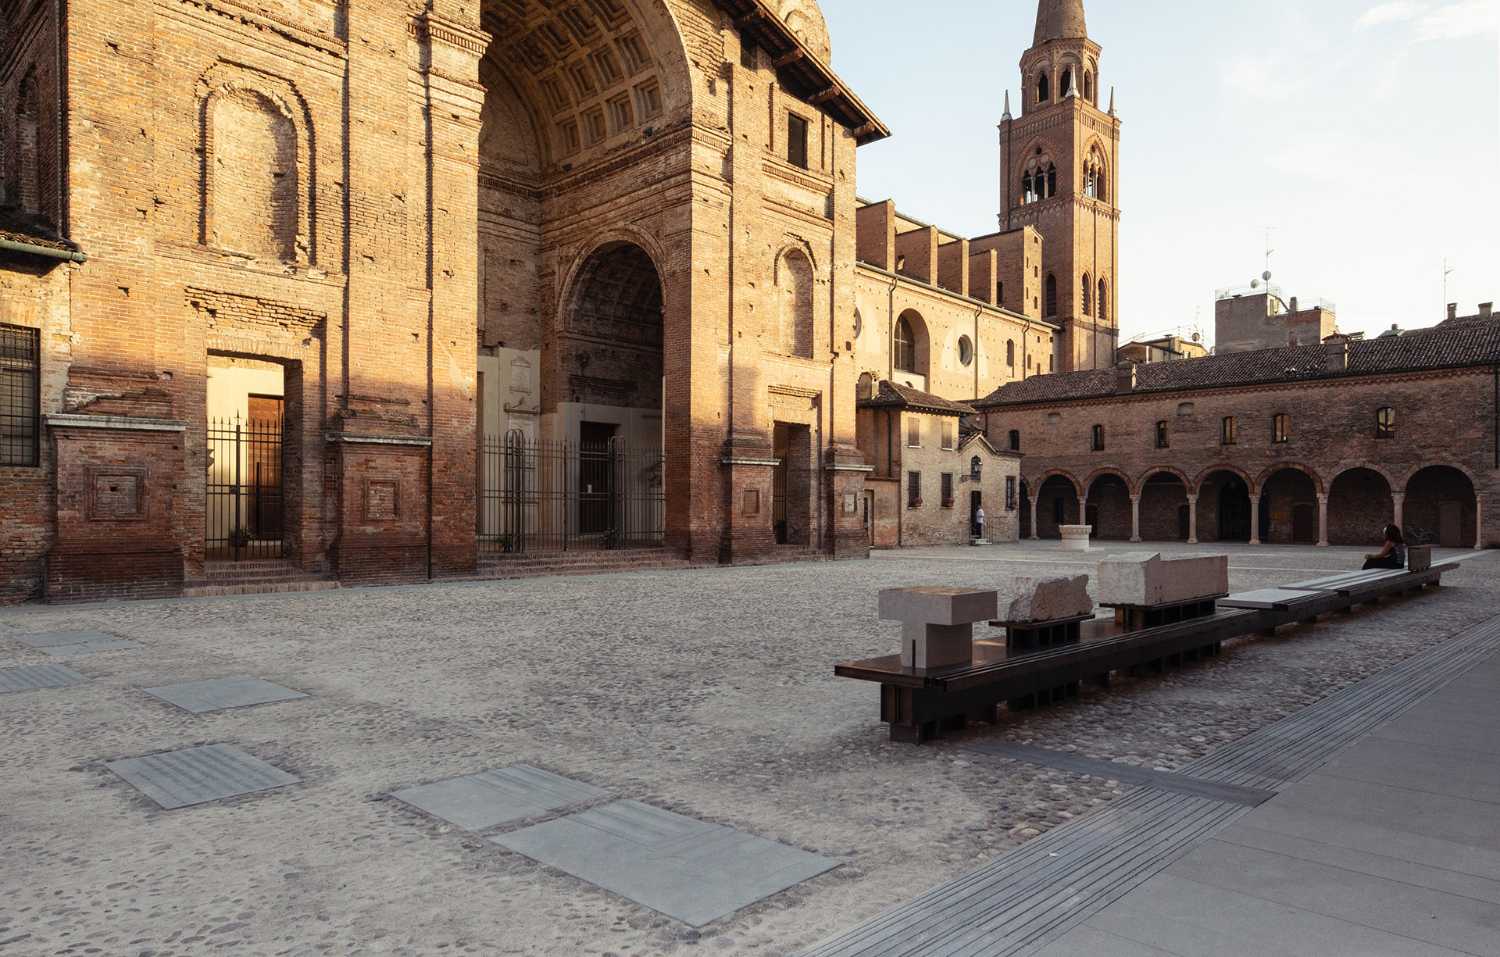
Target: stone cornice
[[117, 423], [230, 10], [458, 35]]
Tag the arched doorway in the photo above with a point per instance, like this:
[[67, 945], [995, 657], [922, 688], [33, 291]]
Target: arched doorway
[[1109, 508], [1359, 507], [1056, 506], [1224, 508], [1164, 508], [1441, 508], [1289, 508]]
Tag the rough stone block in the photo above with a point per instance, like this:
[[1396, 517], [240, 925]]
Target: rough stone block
[[1075, 538], [1045, 599], [936, 646], [1419, 558], [937, 606], [1147, 580]]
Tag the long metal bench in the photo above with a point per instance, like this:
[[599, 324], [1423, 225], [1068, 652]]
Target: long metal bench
[[922, 704]]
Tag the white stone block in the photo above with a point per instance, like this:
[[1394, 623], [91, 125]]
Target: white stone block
[[937, 606], [1045, 599], [1148, 580], [1075, 538]]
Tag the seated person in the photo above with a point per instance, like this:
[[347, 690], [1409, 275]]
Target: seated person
[[1392, 555]]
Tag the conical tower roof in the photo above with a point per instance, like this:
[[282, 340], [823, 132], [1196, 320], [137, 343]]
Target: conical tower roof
[[1060, 20]]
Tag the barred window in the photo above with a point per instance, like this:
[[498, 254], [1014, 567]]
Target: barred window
[[1010, 493], [1385, 423], [913, 489], [947, 490], [20, 390]]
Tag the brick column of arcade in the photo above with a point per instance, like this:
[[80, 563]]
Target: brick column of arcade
[[123, 519], [845, 464], [748, 467], [454, 100], [382, 417]]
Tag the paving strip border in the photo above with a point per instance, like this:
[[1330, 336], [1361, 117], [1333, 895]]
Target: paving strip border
[[1041, 890]]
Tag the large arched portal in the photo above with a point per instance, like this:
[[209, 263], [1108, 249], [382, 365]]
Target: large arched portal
[[1289, 508], [1164, 508], [1441, 508], [1224, 508], [1109, 509], [1359, 507], [1056, 506]]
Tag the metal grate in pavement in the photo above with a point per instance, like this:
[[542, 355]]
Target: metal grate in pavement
[[1036, 893], [1130, 774], [489, 799], [63, 644], [198, 775], [222, 694], [36, 677]]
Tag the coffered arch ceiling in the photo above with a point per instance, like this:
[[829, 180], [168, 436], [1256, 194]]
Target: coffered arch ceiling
[[593, 74]]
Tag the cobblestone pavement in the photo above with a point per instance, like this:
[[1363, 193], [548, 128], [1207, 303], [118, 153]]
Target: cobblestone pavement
[[707, 692]]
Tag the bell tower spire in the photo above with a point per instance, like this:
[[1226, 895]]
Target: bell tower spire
[[1058, 174]]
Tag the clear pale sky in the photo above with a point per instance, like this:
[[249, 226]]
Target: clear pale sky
[[1365, 132]]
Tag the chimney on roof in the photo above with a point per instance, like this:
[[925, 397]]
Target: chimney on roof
[[1336, 354], [1452, 310], [1125, 376], [1293, 305], [1486, 310]]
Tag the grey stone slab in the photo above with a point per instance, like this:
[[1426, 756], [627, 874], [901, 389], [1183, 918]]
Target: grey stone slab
[[36, 677], [75, 644], [1419, 767], [1390, 839], [175, 779], [1445, 920], [1196, 920], [221, 694], [1433, 815], [476, 802], [690, 870], [1478, 737], [1130, 774], [1092, 942], [1375, 863], [1264, 598]]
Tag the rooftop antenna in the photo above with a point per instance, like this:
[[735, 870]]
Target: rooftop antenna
[[1447, 271], [1269, 250]]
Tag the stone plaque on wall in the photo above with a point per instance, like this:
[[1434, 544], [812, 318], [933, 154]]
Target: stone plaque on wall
[[382, 500], [851, 503], [752, 501], [117, 495]]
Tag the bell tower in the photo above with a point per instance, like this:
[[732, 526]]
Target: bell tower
[[1059, 173]]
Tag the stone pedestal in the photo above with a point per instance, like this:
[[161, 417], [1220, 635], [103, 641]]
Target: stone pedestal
[[1028, 600], [1146, 580], [1075, 538], [937, 623], [845, 477]]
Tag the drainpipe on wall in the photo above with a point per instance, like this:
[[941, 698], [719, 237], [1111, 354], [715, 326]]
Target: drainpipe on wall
[[1496, 415]]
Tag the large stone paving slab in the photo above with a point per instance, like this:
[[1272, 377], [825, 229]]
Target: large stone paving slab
[[213, 772], [687, 869], [75, 644], [221, 694], [477, 802], [36, 677]]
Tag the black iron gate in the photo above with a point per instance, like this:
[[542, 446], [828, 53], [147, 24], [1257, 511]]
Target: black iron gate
[[541, 496], [245, 517]]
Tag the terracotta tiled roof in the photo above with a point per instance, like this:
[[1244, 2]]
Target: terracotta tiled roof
[[892, 395], [17, 227], [1440, 347]]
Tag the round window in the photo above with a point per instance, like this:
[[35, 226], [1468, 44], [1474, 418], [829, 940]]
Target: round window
[[965, 350]]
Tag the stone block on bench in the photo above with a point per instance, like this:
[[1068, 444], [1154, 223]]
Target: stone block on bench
[[1146, 580], [1075, 538], [1419, 558], [937, 624], [1028, 600]]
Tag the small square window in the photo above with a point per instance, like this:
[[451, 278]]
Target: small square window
[[796, 140]]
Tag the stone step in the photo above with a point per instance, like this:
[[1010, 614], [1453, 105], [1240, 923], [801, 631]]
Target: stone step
[[258, 588]]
